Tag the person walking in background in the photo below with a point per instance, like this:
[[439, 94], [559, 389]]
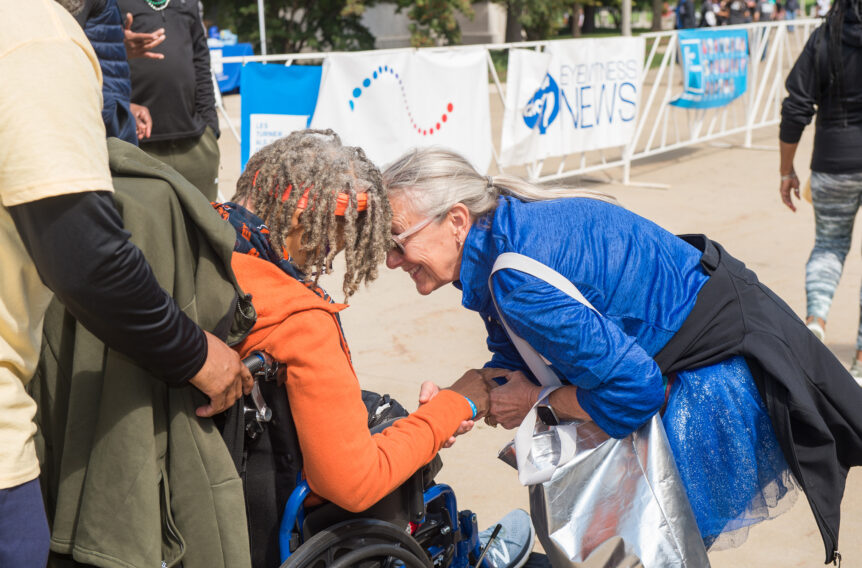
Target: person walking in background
[[709, 14], [685, 12], [828, 76], [735, 12], [791, 11], [178, 89], [764, 11]]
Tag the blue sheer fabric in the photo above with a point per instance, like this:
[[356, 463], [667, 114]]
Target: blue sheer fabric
[[726, 451]]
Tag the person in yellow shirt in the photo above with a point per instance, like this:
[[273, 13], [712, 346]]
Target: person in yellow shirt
[[60, 234]]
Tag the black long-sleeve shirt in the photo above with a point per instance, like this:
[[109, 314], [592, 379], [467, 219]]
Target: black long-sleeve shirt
[[178, 89], [84, 255], [838, 128]]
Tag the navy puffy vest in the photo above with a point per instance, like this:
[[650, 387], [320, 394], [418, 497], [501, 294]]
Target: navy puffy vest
[[105, 32]]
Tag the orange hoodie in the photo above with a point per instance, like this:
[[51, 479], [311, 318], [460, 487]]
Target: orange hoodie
[[343, 462]]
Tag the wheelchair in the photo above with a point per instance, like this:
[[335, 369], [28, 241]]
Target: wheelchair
[[418, 525]]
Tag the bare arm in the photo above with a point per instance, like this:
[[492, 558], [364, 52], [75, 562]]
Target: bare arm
[[565, 403], [788, 174], [511, 402], [84, 254]]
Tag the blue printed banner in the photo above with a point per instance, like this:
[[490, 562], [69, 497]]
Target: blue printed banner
[[227, 74], [714, 67], [577, 95], [276, 100]]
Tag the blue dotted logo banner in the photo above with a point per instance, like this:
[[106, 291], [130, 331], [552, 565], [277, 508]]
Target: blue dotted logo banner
[[386, 77]]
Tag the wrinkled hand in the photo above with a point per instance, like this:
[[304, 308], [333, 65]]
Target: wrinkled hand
[[789, 182], [143, 120], [139, 44], [429, 390], [511, 402], [474, 386], [223, 378]]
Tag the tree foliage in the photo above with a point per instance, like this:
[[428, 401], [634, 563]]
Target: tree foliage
[[433, 22], [321, 25], [542, 19], [539, 19], [294, 25]]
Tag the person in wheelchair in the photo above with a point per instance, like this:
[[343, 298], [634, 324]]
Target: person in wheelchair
[[301, 201]]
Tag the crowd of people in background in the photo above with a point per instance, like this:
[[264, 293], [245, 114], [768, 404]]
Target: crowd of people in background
[[62, 232], [734, 12]]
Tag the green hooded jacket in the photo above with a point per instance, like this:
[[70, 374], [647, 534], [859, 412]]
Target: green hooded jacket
[[132, 477]]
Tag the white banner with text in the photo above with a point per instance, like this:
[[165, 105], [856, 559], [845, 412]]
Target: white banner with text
[[577, 95], [388, 103]]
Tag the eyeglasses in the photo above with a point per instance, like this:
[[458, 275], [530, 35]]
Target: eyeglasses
[[400, 240]]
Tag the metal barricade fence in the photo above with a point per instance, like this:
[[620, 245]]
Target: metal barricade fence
[[659, 126]]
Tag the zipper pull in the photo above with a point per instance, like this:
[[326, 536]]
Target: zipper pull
[[836, 558]]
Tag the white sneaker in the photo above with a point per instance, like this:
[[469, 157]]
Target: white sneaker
[[513, 543], [817, 330], [856, 371]]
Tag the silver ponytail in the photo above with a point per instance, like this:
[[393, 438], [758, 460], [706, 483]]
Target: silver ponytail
[[437, 179]]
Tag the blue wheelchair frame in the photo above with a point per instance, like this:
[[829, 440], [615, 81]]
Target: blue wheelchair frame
[[466, 545]]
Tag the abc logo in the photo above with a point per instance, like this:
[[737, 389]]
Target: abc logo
[[544, 106]]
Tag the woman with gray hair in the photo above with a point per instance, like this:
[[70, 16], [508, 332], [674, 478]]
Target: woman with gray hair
[[654, 307]]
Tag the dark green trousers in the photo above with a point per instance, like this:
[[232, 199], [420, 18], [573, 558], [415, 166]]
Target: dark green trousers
[[195, 158]]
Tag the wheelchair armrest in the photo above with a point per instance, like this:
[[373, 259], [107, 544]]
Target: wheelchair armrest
[[405, 504]]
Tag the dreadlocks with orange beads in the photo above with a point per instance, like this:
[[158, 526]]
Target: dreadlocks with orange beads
[[336, 187]]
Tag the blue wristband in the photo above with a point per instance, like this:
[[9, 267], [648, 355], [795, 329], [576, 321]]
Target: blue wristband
[[472, 407]]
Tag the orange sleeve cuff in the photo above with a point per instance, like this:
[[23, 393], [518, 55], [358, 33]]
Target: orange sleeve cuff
[[449, 404]]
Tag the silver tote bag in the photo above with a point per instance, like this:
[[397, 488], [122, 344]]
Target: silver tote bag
[[586, 487]]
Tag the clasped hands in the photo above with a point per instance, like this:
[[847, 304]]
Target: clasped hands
[[505, 404]]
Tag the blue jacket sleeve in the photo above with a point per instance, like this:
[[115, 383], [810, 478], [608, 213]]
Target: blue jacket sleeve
[[620, 385]]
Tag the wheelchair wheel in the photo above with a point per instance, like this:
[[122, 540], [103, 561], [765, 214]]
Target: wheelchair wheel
[[362, 543]]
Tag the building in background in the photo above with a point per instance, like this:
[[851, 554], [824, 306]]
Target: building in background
[[391, 29]]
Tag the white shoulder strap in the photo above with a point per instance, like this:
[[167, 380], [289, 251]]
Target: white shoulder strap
[[542, 272], [534, 360]]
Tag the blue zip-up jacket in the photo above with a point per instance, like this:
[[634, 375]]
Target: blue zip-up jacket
[[642, 279]]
